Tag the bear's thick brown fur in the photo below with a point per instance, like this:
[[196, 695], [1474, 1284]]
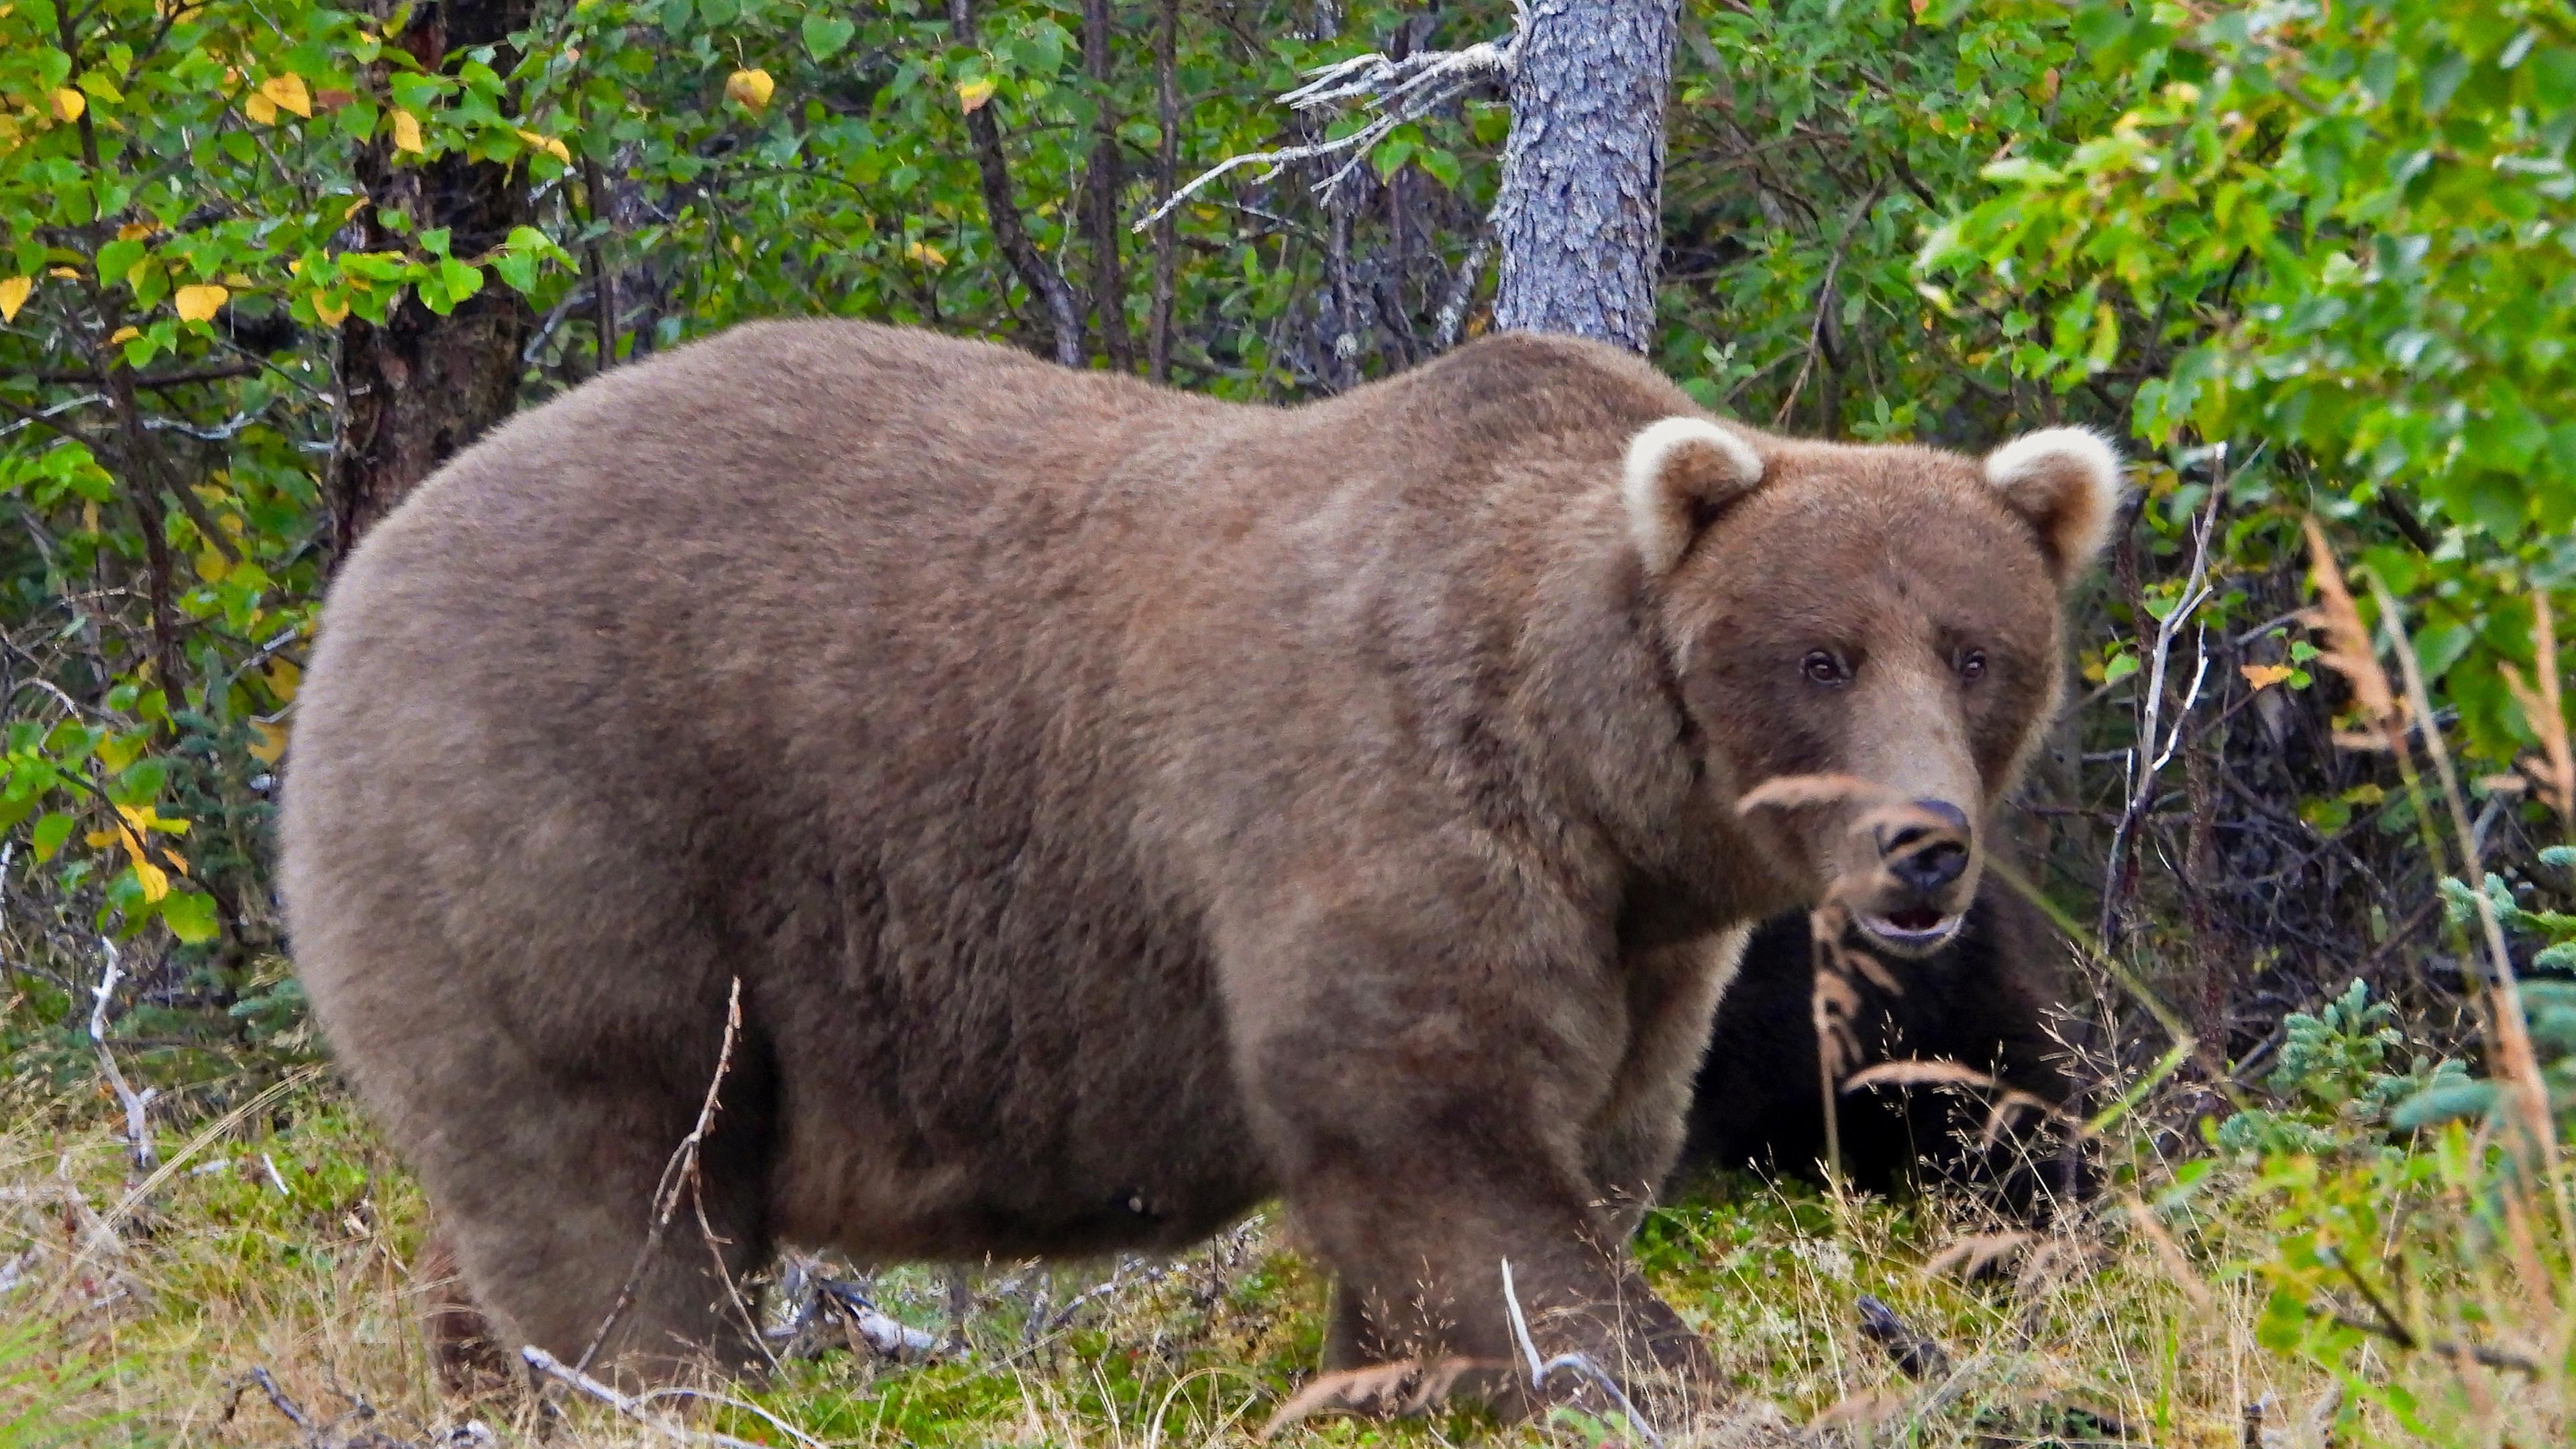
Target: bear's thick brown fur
[[1119, 807]]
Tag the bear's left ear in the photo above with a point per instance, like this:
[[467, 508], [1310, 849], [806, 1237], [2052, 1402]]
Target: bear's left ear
[[1680, 473], [2066, 482]]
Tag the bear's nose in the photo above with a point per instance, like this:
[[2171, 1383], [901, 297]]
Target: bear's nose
[[1929, 851]]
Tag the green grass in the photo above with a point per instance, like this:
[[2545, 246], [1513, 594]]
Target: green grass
[[142, 1326]]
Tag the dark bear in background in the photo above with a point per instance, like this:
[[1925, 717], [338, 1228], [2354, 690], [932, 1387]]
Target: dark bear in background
[[1983, 1001]]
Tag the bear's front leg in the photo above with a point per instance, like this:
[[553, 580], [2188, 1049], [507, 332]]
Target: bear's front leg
[[1425, 1098]]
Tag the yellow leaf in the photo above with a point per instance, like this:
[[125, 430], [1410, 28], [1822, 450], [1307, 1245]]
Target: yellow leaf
[[71, 272], [271, 745], [200, 303], [13, 295], [328, 312], [135, 231], [260, 109], [177, 861], [971, 95], [283, 679], [751, 87], [97, 838], [549, 145], [238, 282], [926, 254], [155, 880], [146, 817], [286, 92], [2264, 676], [123, 334], [407, 133], [68, 104], [212, 566]]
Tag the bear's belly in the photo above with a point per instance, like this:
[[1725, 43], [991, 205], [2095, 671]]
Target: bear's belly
[[1160, 1180], [1011, 1103]]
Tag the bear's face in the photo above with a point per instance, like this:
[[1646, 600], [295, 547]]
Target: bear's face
[[1866, 640]]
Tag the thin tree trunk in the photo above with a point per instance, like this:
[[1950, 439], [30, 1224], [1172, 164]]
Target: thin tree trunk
[[1104, 178], [1167, 163], [1579, 216], [421, 386], [1064, 315]]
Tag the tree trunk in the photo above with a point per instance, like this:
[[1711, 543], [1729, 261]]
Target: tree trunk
[[1583, 174], [1102, 182], [421, 386]]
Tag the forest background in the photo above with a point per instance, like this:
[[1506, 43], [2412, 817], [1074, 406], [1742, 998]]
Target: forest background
[[263, 263]]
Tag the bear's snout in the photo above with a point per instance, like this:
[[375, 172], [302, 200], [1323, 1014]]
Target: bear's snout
[[1928, 852], [1924, 858]]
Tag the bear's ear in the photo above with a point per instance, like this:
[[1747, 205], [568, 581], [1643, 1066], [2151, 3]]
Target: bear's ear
[[1680, 472], [2066, 482]]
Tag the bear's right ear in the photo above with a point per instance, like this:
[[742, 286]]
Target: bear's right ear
[[1680, 473]]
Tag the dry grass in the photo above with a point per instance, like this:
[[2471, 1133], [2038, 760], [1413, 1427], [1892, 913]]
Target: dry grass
[[2088, 1335]]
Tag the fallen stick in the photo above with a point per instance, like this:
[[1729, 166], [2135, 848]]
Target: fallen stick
[[639, 1409]]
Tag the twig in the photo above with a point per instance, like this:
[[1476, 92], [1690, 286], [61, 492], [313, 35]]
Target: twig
[[1579, 1364], [637, 1409], [2494, 1358], [137, 1133], [1397, 92], [278, 1400], [1118, 1282], [680, 1172], [2144, 760], [1462, 291], [882, 1331]]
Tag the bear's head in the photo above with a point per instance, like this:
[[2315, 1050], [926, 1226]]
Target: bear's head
[[1866, 641]]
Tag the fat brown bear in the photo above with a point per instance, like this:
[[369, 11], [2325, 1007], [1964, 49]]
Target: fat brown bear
[[1990, 998], [1120, 807]]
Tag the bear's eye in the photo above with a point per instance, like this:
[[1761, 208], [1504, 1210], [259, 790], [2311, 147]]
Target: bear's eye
[[1972, 664], [1823, 666]]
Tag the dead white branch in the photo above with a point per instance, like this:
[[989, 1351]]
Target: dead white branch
[[638, 1409], [2145, 759], [1581, 1365], [1391, 92], [138, 1134]]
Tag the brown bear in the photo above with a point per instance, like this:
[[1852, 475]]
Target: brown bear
[[1991, 998], [1119, 807]]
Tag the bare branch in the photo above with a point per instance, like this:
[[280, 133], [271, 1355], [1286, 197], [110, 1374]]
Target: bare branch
[[678, 1175], [1581, 1365], [138, 1135], [1394, 92], [2144, 759], [637, 1409]]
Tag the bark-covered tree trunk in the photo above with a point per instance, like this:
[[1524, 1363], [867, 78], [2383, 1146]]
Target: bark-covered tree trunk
[[1579, 219], [1102, 182], [421, 386]]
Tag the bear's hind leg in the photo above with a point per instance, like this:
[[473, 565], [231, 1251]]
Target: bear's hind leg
[[546, 1186]]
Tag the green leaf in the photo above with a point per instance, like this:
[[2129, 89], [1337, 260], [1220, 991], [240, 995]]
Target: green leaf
[[190, 915], [824, 35], [50, 834]]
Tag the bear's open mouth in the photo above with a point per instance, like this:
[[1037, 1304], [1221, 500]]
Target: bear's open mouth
[[1915, 928]]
